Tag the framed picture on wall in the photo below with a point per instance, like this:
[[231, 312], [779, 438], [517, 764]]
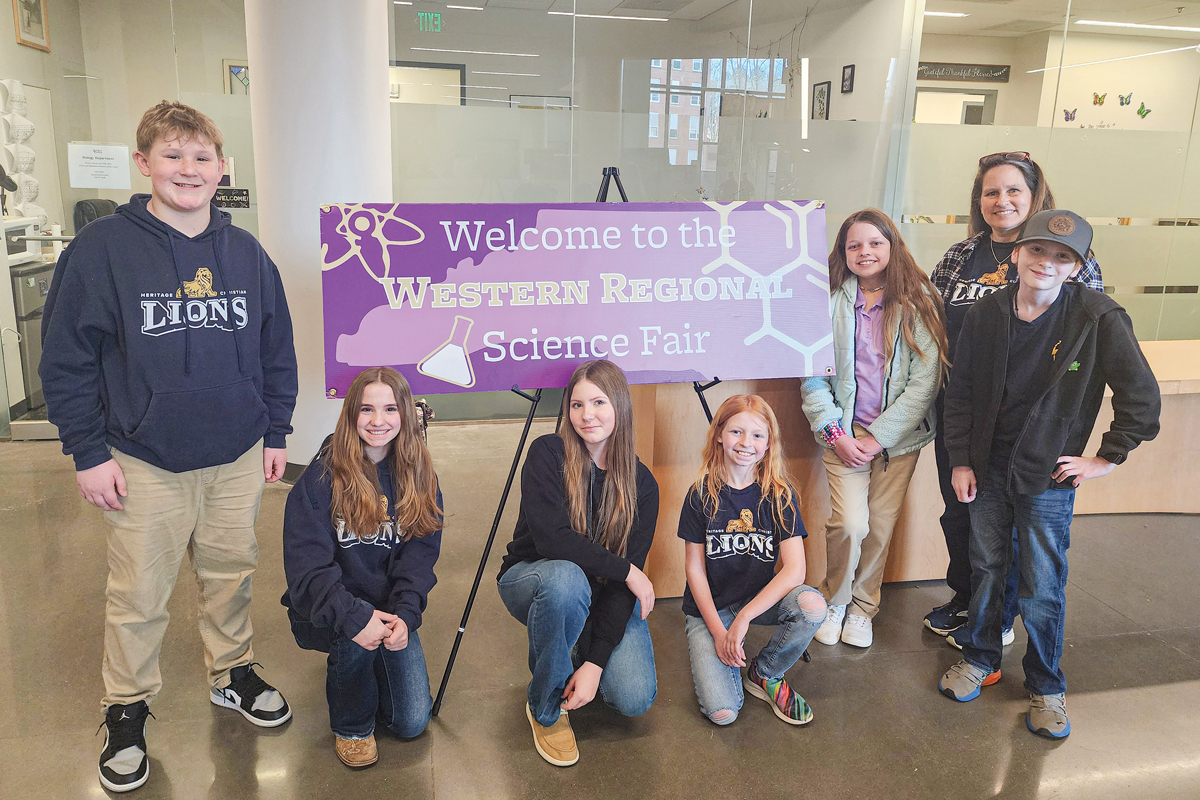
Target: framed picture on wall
[[848, 79], [237, 75], [32, 23], [820, 100]]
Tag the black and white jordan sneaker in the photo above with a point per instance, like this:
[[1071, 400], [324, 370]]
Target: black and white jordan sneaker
[[256, 700], [123, 762]]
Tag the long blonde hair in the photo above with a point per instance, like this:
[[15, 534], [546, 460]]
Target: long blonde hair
[[618, 502], [770, 473], [908, 293], [356, 489]]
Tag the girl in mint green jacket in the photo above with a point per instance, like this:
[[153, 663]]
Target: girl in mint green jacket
[[875, 415]]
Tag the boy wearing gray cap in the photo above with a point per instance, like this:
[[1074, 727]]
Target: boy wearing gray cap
[[1028, 379]]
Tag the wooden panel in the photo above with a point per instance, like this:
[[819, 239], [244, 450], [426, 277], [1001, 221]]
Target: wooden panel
[[1156, 477]]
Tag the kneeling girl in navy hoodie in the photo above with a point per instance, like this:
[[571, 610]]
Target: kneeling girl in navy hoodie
[[361, 533]]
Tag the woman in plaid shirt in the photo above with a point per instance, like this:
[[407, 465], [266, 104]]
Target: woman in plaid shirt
[[1009, 187]]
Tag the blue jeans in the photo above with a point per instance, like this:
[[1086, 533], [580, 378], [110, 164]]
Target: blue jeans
[[718, 686], [552, 598], [956, 527], [1043, 526], [362, 686]]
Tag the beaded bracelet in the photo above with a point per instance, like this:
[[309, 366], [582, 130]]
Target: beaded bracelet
[[832, 432]]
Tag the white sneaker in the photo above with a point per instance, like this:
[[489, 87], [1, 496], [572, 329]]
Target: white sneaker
[[857, 631], [1007, 637], [831, 629]]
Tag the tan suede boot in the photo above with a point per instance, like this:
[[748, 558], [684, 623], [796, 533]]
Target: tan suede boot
[[356, 752]]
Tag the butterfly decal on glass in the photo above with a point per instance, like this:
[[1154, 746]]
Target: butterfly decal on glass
[[1070, 115], [1126, 99], [1098, 99], [1143, 111]]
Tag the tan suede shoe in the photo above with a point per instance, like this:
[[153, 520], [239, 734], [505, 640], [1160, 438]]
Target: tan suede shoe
[[356, 752], [556, 744]]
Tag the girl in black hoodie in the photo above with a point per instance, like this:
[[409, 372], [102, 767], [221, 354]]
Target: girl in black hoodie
[[361, 533]]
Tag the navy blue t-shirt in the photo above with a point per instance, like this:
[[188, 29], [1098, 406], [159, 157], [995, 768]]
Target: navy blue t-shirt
[[741, 543]]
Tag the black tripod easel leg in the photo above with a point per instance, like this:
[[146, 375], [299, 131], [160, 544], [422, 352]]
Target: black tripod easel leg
[[610, 172], [487, 549], [700, 390]]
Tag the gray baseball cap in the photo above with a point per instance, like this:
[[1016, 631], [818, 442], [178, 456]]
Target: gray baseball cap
[[1062, 226]]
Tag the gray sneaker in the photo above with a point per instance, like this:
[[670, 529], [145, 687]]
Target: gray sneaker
[[1048, 716], [962, 681]]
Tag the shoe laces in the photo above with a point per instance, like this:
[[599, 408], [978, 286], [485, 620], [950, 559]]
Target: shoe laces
[[126, 732], [1056, 703], [250, 685], [857, 621], [971, 672], [953, 606]]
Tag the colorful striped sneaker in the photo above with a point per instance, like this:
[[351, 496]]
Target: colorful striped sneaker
[[787, 705]]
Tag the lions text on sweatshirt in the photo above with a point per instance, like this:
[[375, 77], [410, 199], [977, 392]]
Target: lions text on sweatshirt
[[175, 350], [335, 578]]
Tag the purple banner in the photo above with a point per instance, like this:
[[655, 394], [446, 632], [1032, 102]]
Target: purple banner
[[479, 297]]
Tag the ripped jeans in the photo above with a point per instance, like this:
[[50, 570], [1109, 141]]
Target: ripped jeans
[[719, 687]]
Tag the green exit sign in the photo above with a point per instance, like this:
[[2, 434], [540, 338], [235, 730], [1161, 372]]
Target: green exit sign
[[429, 21]]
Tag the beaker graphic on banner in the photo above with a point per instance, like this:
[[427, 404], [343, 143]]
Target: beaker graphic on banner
[[450, 360]]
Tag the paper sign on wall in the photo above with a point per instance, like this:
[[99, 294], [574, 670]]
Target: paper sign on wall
[[477, 297], [98, 166]]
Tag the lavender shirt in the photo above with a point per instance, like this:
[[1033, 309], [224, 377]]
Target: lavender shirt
[[868, 360]]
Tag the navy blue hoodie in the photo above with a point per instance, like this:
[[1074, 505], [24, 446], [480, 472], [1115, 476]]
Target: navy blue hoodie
[[336, 579], [174, 350]]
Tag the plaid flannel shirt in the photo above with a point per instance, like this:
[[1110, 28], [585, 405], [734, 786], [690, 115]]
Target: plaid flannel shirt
[[950, 268]]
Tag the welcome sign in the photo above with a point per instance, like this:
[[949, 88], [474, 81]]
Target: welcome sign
[[482, 297]]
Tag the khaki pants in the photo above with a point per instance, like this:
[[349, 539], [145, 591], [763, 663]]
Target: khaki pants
[[208, 514], [865, 502]]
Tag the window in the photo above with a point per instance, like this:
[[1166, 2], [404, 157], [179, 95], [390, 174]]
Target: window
[[654, 125], [656, 62], [695, 99], [714, 72], [656, 97], [654, 81], [671, 155], [697, 65], [694, 129], [674, 99], [691, 157], [676, 63], [673, 127], [674, 83], [712, 116]]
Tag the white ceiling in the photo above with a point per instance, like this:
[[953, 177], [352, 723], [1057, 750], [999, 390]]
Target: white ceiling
[[1022, 17], [765, 11]]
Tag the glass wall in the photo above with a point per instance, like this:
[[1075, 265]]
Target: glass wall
[[698, 100], [695, 100], [1105, 100]]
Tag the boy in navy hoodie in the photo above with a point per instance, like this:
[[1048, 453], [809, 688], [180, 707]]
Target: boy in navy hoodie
[[1029, 375], [169, 370]]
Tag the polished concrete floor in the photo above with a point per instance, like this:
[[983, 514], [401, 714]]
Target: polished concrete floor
[[881, 730]]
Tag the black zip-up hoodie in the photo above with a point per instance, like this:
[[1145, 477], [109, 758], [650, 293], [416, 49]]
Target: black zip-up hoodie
[[1098, 347], [544, 531], [174, 350], [335, 579]]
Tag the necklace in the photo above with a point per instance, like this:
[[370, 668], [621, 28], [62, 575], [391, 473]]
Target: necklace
[[878, 288], [992, 247]]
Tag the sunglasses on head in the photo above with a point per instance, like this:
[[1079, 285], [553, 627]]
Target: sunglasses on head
[[1000, 158]]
